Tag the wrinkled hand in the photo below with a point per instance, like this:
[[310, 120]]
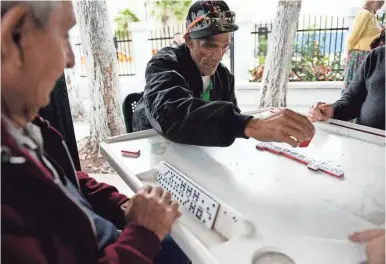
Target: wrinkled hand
[[151, 207], [283, 126], [320, 112], [125, 206], [375, 249]]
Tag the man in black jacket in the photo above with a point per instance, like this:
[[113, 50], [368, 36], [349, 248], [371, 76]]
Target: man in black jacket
[[189, 96]]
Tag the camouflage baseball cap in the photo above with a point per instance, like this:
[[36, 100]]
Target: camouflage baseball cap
[[220, 19]]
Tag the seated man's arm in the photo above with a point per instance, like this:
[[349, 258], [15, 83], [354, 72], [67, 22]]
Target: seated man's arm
[[136, 244], [17, 246], [349, 105], [174, 113], [104, 198]]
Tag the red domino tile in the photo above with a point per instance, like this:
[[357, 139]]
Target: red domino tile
[[302, 161], [260, 148], [305, 144], [298, 160], [273, 151], [131, 152], [332, 174], [288, 156]]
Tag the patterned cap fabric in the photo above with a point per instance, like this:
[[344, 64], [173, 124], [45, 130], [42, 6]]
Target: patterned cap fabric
[[202, 29]]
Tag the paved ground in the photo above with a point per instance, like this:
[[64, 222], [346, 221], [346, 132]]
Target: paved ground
[[82, 130]]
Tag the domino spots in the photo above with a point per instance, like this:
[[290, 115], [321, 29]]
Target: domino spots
[[312, 164], [189, 195]]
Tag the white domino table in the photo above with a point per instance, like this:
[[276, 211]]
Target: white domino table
[[240, 204]]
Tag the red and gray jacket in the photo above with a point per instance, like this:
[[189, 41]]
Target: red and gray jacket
[[40, 224]]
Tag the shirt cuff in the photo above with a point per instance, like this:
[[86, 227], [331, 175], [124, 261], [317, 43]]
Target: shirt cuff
[[239, 124]]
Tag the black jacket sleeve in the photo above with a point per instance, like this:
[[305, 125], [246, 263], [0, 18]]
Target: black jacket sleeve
[[349, 105], [232, 95], [174, 113]]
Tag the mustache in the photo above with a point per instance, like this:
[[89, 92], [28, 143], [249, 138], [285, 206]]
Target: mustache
[[214, 63]]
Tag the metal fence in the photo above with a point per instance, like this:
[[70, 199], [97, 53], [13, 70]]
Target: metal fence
[[317, 54], [232, 53], [80, 61], [123, 45], [318, 48], [163, 37]]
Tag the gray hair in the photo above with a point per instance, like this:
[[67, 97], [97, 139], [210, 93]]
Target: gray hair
[[40, 10]]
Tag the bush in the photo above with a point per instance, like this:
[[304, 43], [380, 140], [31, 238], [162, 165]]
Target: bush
[[308, 62]]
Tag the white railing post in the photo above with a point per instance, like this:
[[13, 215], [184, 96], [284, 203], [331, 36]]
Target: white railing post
[[243, 53], [140, 33]]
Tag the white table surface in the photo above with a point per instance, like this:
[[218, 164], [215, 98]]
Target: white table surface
[[274, 193]]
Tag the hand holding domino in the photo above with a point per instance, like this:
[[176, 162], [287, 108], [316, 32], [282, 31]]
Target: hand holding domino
[[284, 125], [305, 144]]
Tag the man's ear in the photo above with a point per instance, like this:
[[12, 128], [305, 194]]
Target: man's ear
[[188, 41], [12, 23]]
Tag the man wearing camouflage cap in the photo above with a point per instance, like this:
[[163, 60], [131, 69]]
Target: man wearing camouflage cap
[[190, 97]]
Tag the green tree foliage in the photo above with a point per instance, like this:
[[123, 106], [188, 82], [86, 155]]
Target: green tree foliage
[[165, 10], [123, 18]]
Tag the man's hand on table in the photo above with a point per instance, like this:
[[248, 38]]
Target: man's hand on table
[[283, 126], [152, 208], [320, 112], [375, 249]]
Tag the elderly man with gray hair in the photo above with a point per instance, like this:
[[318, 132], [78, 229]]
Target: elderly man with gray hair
[[51, 213]]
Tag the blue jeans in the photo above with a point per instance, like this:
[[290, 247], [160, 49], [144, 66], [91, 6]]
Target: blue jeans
[[171, 253]]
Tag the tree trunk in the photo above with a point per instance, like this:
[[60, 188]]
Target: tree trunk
[[279, 55], [77, 108], [164, 17], [102, 71]]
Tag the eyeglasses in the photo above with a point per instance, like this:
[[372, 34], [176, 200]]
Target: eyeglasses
[[215, 18]]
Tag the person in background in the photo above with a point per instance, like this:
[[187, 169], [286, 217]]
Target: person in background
[[51, 213], [177, 40], [363, 100], [365, 29], [189, 95], [380, 41]]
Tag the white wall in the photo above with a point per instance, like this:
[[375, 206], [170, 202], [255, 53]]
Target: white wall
[[301, 95]]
